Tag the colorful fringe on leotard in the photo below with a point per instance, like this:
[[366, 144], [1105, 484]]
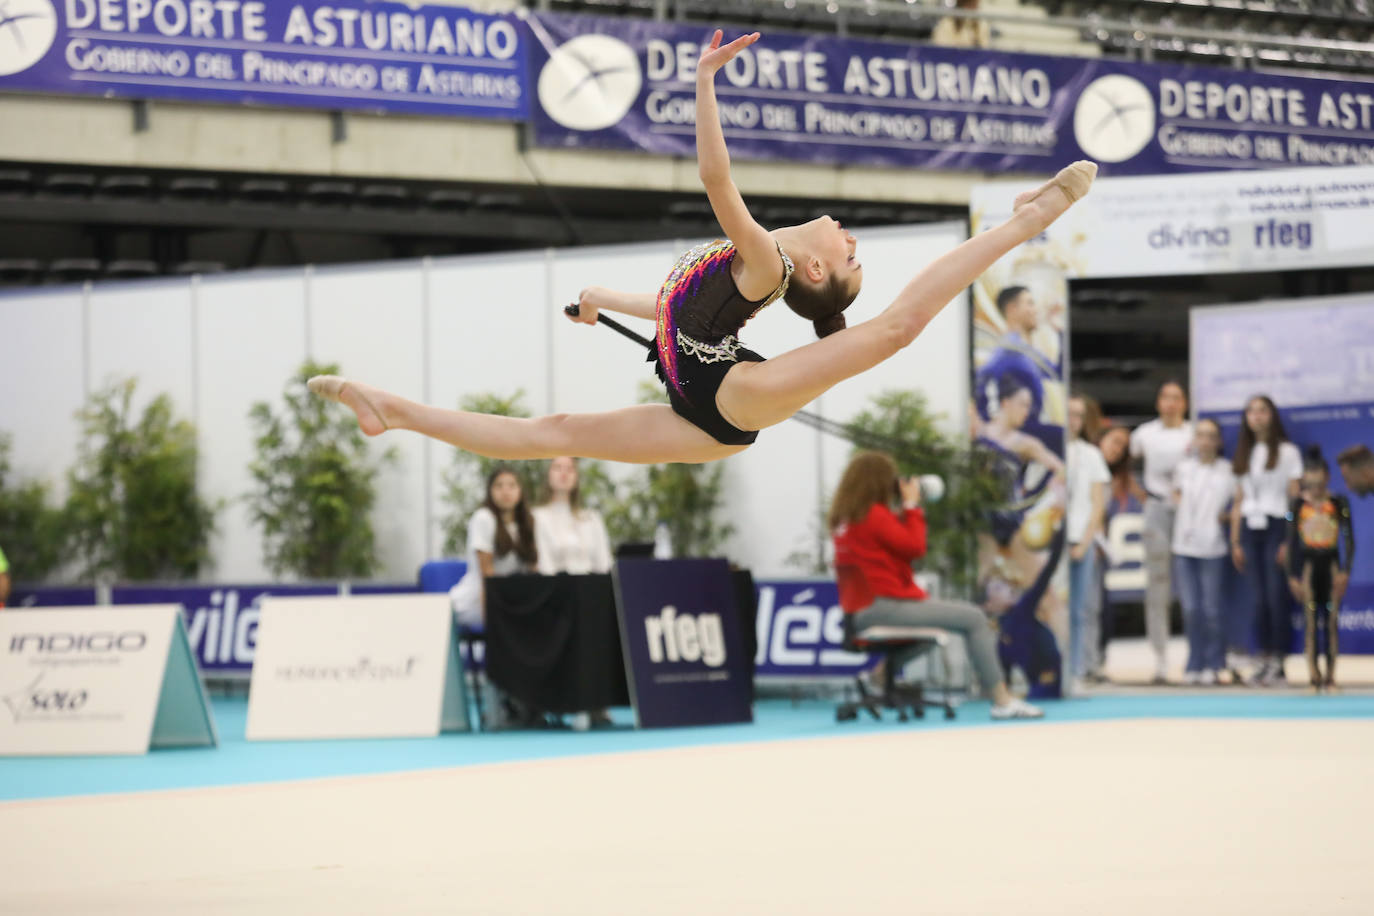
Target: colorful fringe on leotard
[[685, 281]]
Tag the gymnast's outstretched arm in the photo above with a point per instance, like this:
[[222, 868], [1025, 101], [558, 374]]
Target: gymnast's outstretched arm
[[595, 298]]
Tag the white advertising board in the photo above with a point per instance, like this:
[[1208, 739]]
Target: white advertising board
[[111, 680], [375, 666], [1210, 222]]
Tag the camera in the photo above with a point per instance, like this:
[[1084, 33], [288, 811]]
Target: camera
[[932, 488]]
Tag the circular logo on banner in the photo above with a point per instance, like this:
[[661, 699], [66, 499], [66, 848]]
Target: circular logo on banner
[[27, 30], [1115, 118], [589, 82]]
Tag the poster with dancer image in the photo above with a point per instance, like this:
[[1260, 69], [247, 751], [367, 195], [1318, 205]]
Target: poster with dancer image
[[1017, 417]]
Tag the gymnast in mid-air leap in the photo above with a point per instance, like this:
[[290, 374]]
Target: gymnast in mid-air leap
[[722, 394]]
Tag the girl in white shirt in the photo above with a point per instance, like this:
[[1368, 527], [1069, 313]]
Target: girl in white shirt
[[1160, 445], [571, 538], [1203, 488], [501, 542], [1268, 467]]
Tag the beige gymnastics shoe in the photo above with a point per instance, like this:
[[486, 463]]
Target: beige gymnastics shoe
[[1073, 179], [353, 396]]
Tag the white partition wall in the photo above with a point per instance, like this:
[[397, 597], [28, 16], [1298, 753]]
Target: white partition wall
[[250, 339], [437, 331], [145, 330], [42, 380], [369, 319], [487, 330]]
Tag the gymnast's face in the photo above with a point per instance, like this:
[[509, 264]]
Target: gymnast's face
[[832, 252], [1314, 481]]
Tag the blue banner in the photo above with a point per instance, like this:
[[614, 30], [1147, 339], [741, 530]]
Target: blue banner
[[684, 657], [800, 627], [631, 84], [1315, 359], [353, 54]]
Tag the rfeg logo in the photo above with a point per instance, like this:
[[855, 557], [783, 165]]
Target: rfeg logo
[[27, 31], [1115, 118], [589, 82], [675, 637]]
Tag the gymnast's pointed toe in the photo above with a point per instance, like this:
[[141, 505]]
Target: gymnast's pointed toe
[[360, 399]]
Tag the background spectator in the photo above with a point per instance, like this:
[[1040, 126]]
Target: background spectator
[[958, 32], [1204, 486], [1269, 468], [1087, 499], [1357, 468], [571, 538], [1159, 446], [4, 579], [879, 547], [501, 542]]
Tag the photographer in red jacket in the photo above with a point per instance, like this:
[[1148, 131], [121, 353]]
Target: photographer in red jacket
[[877, 546]]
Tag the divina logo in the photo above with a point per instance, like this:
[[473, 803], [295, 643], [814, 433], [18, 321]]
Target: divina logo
[[1189, 236], [27, 30], [678, 637], [57, 643]]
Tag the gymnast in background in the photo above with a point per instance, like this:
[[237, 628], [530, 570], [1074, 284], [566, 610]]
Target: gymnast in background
[[1319, 569]]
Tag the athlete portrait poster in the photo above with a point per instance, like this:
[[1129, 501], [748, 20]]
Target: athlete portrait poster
[[1017, 420]]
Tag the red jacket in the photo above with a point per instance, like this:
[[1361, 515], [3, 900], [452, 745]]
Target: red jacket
[[873, 557]]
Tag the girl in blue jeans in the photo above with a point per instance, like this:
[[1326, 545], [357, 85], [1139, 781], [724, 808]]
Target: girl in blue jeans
[[1268, 467], [1203, 488]]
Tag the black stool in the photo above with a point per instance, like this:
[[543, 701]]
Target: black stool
[[889, 641]]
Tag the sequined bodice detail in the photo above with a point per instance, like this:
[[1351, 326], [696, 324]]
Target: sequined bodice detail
[[700, 309]]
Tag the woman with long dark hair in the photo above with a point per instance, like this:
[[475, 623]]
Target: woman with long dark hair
[[501, 542], [1269, 467], [877, 546]]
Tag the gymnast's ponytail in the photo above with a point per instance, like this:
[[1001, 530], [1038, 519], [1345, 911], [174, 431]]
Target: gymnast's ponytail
[[827, 326], [820, 303]]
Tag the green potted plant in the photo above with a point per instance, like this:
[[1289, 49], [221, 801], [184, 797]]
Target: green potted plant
[[314, 485]]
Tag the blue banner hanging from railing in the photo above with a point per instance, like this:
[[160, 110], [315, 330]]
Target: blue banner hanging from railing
[[631, 84], [349, 54]]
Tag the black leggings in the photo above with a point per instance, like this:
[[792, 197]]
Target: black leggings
[[1320, 608]]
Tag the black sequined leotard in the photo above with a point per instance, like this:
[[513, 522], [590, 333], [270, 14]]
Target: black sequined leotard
[[700, 310]]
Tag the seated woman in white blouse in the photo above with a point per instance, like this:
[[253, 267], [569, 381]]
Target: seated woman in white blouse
[[501, 542], [571, 538]]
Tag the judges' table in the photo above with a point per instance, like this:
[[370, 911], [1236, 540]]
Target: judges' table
[[553, 642]]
